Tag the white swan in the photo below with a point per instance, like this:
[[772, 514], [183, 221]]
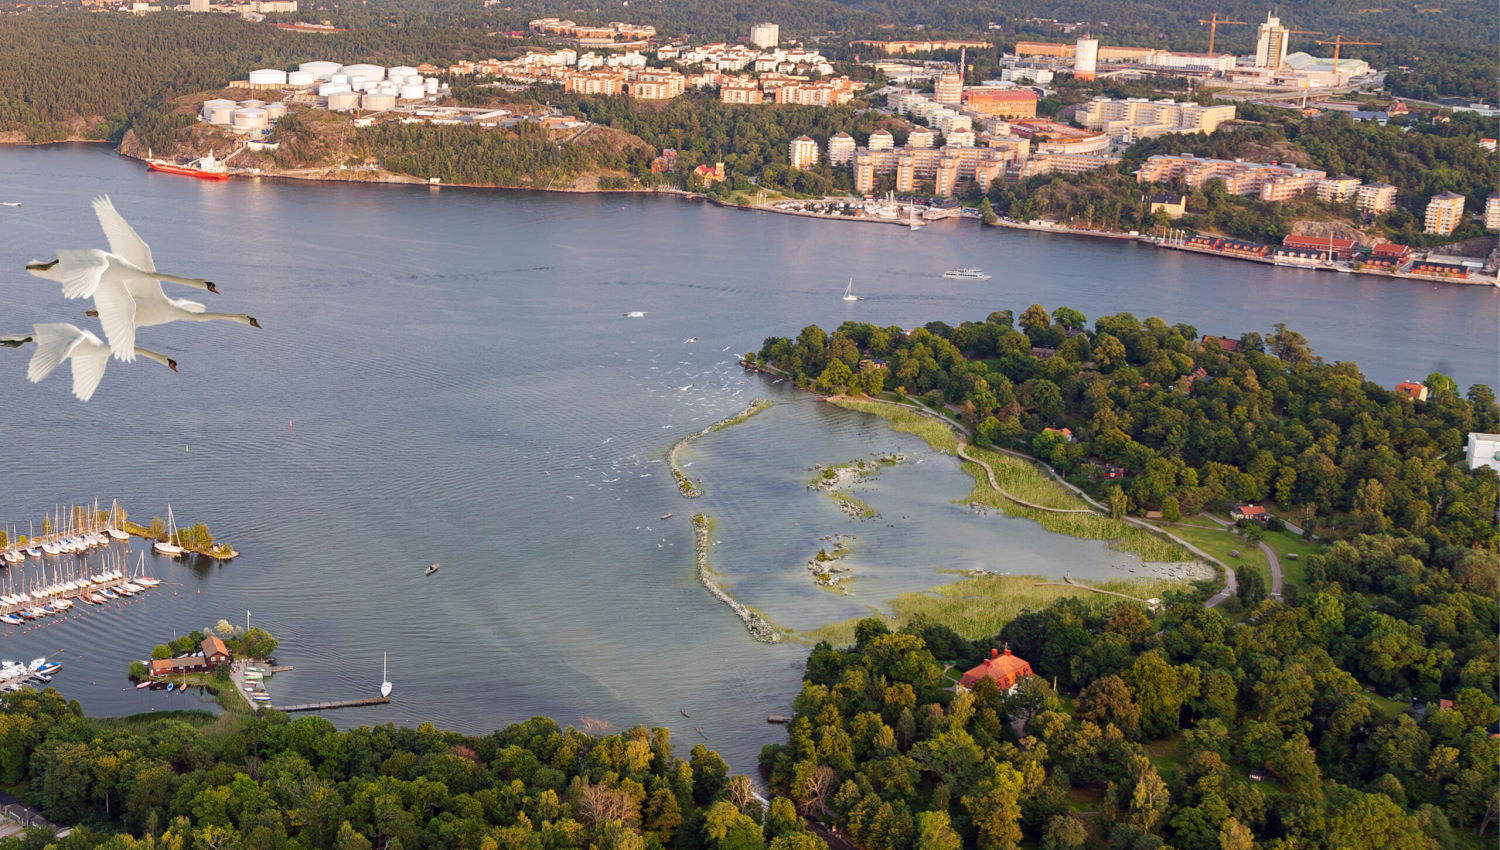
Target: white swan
[[125, 284], [59, 341]]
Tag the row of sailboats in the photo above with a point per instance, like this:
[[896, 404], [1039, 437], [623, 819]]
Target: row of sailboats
[[81, 532], [46, 595]]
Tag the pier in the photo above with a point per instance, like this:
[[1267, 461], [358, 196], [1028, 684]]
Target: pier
[[326, 706]]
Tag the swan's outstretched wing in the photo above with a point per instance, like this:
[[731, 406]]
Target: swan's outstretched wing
[[123, 240], [54, 342], [89, 361], [190, 306], [78, 271], [116, 308]]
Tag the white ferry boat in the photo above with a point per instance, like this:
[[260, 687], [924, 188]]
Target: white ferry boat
[[966, 274]]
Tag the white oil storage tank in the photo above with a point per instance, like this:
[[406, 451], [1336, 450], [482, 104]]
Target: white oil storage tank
[[249, 104], [276, 110], [327, 89], [253, 118], [343, 101], [320, 70], [369, 72], [413, 92], [400, 71], [301, 78], [340, 79], [378, 101], [267, 77], [431, 85], [219, 111]]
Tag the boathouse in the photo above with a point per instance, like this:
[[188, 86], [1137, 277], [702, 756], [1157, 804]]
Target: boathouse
[[1003, 669], [215, 652], [161, 667]]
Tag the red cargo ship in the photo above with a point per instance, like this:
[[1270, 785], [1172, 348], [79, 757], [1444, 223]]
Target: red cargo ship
[[206, 168]]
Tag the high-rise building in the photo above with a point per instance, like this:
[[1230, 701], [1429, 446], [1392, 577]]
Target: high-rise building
[[1270, 44], [949, 88], [1339, 189], [921, 137], [1375, 198], [882, 140], [765, 36], [1492, 212], [840, 149], [1086, 59], [803, 152], [197, 5], [1445, 213]]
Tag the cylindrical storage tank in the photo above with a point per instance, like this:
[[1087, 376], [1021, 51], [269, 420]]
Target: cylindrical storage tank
[[413, 92], [321, 70], [400, 71], [359, 80], [327, 89], [431, 85], [378, 101], [342, 101], [341, 79], [275, 110], [252, 103], [1086, 59], [253, 118], [267, 77], [220, 113], [301, 78], [369, 72]]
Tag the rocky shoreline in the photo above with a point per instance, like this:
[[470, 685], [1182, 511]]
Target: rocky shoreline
[[833, 480], [825, 568], [689, 488], [759, 627]]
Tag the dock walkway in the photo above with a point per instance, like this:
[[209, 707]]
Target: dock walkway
[[346, 703]]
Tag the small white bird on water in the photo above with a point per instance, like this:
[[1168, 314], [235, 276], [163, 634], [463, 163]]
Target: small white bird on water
[[125, 285], [59, 341]]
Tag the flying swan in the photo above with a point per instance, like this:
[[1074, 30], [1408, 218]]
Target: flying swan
[[59, 341]]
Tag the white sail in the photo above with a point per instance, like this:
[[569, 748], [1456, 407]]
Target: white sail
[[385, 683]]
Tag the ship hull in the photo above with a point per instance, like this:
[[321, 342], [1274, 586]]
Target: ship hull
[[187, 171]]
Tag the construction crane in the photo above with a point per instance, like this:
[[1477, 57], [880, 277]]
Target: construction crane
[[1338, 42], [1213, 28]]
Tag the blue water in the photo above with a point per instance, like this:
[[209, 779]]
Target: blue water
[[446, 376]]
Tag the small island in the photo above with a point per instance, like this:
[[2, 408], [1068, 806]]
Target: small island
[[833, 480], [195, 539]]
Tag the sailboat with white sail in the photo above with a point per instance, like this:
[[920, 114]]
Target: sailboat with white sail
[[113, 528], [849, 291], [169, 546], [385, 682]]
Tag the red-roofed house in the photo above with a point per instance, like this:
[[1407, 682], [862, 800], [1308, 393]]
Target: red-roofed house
[[1342, 249], [1003, 669], [1230, 345], [1065, 433], [1412, 390], [1391, 249], [178, 666], [215, 652], [1251, 512]]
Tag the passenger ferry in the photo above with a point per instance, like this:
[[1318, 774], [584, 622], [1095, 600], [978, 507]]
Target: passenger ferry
[[966, 274]]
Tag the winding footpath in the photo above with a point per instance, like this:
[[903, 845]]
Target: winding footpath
[[1271, 559]]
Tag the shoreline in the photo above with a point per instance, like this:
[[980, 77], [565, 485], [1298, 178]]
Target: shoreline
[[687, 487], [333, 175], [759, 627]]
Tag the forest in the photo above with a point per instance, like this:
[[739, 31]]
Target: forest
[[1194, 425]]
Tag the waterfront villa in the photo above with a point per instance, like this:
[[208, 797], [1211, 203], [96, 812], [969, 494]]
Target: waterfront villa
[[1003, 669], [1412, 390], [215, 652]]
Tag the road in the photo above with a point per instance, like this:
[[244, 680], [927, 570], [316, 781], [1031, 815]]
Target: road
[[1271, 559]]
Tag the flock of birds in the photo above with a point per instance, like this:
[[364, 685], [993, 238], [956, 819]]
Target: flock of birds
[[126, 288]]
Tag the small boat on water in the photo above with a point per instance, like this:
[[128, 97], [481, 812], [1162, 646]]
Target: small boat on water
[[431, 568], [10, 620], [966, 274], [261, 697], [171, 686], [10, 203], [849, 291], [385, 680], [169, 547], [140, 686], [636, 314], [665, 516]]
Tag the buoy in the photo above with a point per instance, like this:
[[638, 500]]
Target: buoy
[[184, 447]]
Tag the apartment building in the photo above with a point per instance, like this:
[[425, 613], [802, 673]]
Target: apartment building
[[1135, 118]]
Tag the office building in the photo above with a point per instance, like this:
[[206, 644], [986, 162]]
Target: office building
[[765, 36], [1270, 44]]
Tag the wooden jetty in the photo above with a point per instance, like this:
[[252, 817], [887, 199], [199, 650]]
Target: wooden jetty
[[326, 706], [284, 668]]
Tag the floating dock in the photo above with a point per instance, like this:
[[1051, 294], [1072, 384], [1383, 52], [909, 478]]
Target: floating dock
[[326, 706]]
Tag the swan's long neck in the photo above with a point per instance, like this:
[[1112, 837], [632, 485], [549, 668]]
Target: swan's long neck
[[196, 282], [159, 358], [209, 317]]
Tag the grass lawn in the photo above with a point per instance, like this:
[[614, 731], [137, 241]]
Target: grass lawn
[[1386, 707], [1166, 754], [1217, 541], [1285, 543], [978, 606]]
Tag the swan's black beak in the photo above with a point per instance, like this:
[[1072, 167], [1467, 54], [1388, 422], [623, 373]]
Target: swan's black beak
[[172, 364], [210, 286], [253, 323]]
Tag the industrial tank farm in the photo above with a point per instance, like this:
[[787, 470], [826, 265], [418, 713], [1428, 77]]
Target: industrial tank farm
[[342, 88]]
